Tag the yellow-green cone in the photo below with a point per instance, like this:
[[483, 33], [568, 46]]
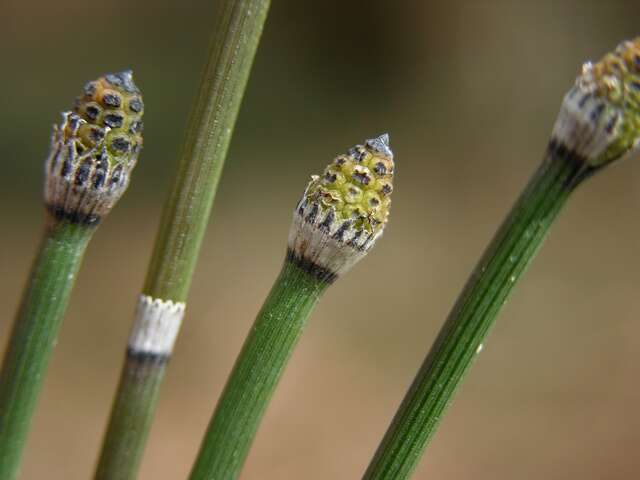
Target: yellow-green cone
[[343, 212], [600, 116], [94, 150]]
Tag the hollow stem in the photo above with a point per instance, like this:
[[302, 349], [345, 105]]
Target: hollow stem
[[335, 224], [34, 335], [255, 375], [186, 213], [185, 216], [138, 388], [460, 340]]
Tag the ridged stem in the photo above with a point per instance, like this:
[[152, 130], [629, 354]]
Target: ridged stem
[[213, 118], [236, 36], [34, 335], [255, 375], [509, 253], [129, 426]]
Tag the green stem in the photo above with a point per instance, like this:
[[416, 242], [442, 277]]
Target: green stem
[[129, 428], [184, 221], [34, 335], [256, 373], [513, 247], [213, 118]]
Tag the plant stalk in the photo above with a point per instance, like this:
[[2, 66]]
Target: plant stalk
[[87, 171], [255, 375], [598, 124], [34, 335], [335, 224], [460, 340], [184, 221], [139, 387]]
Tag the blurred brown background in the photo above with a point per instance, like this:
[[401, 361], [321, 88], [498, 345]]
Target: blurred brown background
[[469, 91]]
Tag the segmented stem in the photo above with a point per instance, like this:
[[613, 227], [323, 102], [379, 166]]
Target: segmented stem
[[186, 213]]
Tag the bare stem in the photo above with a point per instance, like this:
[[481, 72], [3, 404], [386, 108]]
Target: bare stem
[[460, 339], [34, 336], [256, 373]]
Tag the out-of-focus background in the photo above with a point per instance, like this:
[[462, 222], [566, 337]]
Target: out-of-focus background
[[469, 91]]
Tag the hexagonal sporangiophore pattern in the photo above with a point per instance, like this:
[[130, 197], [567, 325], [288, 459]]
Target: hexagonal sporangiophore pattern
[[112, 106], [343, 211], [358, 185], [94, 150]]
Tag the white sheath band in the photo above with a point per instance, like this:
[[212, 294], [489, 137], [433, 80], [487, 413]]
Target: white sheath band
[[156, 325]]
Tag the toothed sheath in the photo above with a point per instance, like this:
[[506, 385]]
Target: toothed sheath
[[337, 221]]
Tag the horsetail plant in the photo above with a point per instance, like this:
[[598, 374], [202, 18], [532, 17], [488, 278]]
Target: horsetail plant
[[92, 154], [339, 218], [598, 124], [161, 305]]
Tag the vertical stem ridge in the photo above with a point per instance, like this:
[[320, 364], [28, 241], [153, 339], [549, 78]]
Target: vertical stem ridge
[[255, 375], [209, 131], [512, 249], [138, 387], [34, 335]]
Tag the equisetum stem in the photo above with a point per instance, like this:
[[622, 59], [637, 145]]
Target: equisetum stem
[[139, 386], [598, 124], [185, 216], [512, 249], [34, 335], [255, 375], [92, 154], [335, 224], [186, 213]]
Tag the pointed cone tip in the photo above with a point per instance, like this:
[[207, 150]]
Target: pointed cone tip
[[381, 144], [123, 79]]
